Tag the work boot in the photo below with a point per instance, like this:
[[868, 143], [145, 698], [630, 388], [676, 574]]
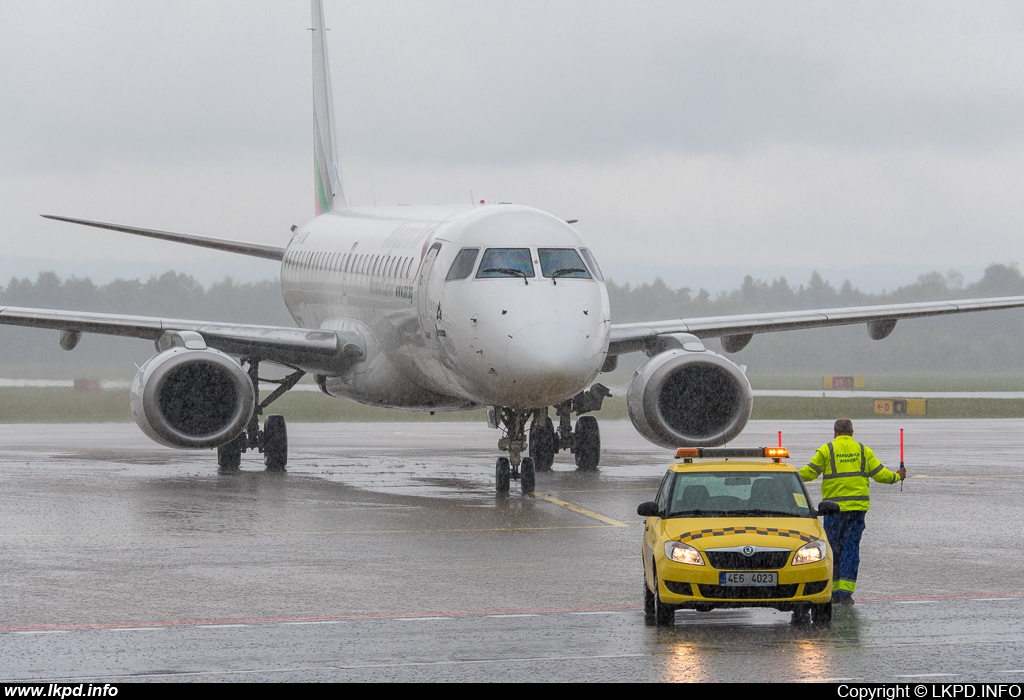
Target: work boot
[[842, 600]]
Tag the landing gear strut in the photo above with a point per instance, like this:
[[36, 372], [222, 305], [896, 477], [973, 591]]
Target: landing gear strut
[[515, 466], [272, 441], [584, 442], [546, 439]]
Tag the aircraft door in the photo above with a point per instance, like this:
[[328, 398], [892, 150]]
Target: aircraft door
[[428, 293]]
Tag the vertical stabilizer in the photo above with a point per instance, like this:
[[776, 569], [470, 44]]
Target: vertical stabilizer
[[329, 194]]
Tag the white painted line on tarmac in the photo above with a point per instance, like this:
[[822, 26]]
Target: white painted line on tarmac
[[915, 602], [216, 627], [926, 675], [985, 600], [44, 632], [517, 615], [419, 619], [134, 629], [315, 622]]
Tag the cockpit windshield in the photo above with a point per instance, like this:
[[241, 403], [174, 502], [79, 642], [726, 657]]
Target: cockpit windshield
[[562, 262], [506, 262], [717, 494]]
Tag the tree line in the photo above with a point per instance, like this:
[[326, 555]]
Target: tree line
[[985, 342]]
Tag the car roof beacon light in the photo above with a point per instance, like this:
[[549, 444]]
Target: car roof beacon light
[[688, 454]]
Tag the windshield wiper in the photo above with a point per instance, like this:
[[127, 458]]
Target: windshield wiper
[[699, 513], [510, 271], [563, 271], [761, 511]]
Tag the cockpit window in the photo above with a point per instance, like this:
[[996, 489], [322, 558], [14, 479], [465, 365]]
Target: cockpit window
[[506, 262], [463, 265], [589, 257], [562, 262]]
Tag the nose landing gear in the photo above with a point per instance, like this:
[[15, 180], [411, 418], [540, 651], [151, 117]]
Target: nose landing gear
[[515, 466]]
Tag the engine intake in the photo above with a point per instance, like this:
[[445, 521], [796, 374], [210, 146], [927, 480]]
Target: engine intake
[[681, 398], [192, 398]]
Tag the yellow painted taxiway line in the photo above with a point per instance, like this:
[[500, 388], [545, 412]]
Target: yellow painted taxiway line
[[577, 509]]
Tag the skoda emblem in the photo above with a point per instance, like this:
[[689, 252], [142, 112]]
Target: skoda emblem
[[748, 551]]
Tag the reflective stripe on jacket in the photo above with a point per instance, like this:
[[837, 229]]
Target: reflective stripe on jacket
[[845, 466]]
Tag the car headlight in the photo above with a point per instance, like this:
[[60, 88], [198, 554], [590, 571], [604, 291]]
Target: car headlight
[[810, 553], [683, 553]]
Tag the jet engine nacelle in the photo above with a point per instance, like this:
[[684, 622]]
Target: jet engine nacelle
[[681, 398], [192, 398]]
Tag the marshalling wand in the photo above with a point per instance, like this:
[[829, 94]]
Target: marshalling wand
[[901, 457]]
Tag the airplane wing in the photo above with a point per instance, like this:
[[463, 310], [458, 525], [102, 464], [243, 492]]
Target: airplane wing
[[316, 351], [256, 250], [737, 330]]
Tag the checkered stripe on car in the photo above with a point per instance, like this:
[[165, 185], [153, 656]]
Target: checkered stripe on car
[[750, 530]]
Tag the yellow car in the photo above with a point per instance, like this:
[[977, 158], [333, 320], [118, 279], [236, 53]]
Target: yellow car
[[735, 528]]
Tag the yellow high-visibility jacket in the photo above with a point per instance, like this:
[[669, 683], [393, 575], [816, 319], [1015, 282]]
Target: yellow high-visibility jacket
[[845, 466]]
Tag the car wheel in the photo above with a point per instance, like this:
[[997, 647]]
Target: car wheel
[[664, 614], [821, 615], [801, 615], [648, 604]]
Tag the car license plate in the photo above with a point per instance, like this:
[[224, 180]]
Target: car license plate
[[748, 578]]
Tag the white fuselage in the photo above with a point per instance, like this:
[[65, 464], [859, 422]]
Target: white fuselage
[[436, 343]]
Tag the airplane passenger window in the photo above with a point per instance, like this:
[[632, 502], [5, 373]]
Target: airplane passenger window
[[592, 262], [562, 262], [463, 265], [506, 262]]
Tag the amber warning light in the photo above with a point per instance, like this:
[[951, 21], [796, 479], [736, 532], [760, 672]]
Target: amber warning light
[[734, 452]]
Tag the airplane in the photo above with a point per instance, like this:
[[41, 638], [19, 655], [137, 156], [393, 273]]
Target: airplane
[[443, 308]]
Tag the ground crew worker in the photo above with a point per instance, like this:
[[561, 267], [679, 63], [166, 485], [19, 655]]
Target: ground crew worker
[[846, 466]]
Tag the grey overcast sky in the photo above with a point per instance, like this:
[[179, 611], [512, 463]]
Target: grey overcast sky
[[698, 141]]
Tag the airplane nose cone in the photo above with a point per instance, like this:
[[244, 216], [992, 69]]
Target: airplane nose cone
[[550, 362]]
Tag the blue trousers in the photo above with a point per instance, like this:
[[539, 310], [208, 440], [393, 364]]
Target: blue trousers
[[844, 532]]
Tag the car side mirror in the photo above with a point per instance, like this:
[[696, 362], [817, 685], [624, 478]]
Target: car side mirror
[[828, 508], [647, 509]]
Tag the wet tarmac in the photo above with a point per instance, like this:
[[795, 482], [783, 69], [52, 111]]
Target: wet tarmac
[[384, 555]]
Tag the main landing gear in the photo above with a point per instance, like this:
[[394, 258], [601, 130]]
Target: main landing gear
[[546, 439], [272, 441]]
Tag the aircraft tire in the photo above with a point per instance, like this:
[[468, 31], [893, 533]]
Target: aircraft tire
[[229, 456], [502, 475], [275, 443], [528, 475], [588, 443], [543, 444]]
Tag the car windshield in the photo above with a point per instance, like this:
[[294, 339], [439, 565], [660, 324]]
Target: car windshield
[[506, 262], [562, 262], [709, 494]]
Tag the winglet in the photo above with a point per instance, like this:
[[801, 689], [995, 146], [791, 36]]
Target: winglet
[[327, 170]]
